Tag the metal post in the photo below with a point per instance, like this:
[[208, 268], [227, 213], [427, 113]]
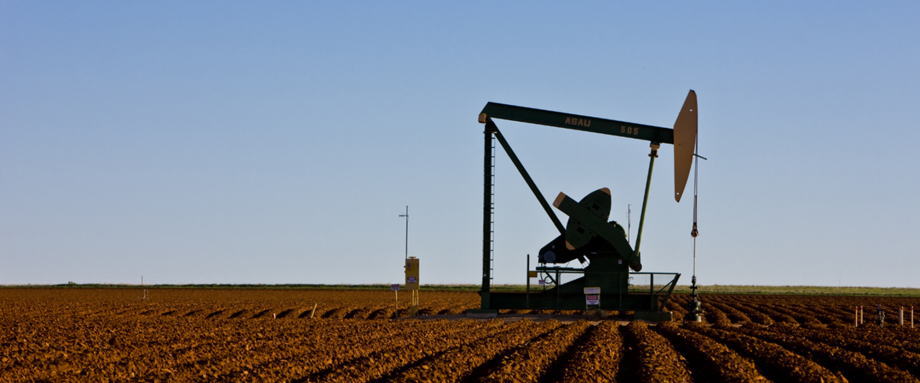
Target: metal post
[[527, 296], [407, 229], [855, 316], [880, 315], [648, 184], [628, 221], [486, 217], [911, 316], [651, 291], [558, 282], [901, 316]]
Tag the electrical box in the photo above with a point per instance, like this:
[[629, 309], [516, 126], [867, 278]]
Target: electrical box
[[412, 281]]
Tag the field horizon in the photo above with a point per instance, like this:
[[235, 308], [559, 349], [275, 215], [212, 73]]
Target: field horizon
[[679, 289]]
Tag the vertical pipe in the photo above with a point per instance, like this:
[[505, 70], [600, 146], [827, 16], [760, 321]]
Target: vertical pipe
[[407, 232], [527, 296], [648, 184], [558, 283], [486, 218], [901, 316], [855, 316], [651, 290]]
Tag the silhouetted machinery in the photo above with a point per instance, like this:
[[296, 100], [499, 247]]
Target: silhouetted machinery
[[589, 236]]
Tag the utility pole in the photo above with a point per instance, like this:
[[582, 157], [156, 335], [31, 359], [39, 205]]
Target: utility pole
[[406, 216]]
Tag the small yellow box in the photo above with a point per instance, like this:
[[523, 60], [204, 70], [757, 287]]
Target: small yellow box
[[531, 274], [412, 281]]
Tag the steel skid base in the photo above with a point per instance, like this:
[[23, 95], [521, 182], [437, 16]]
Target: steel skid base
[[589, 315], [627, 302], [514, 301]]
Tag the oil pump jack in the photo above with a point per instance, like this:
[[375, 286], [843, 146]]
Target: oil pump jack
[[587, 234]]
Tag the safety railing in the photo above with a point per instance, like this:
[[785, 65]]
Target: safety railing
[[552, 276]]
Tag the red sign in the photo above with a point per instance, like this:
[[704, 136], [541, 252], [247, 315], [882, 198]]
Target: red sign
[[593, 299]]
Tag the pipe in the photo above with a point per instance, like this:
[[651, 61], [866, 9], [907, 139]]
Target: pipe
[[648, 184]]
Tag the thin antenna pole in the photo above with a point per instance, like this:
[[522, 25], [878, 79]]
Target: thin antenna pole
[[696, 178], [406, 216], [628, 220], [144, 288]]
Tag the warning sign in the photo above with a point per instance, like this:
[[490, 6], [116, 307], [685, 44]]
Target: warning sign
[[592, 300], [592, 297]]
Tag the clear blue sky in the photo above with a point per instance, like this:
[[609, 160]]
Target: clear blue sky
[[276, 143]]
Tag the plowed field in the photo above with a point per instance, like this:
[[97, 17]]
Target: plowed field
[[363, 336]]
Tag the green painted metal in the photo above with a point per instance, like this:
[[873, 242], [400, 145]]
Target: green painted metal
[[598, 203], [484, 294], [611, 257], [653, 154], [597, 226], [587, 233], [577, 122], [615, 291]]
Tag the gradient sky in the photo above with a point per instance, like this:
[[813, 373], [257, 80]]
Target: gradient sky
[[232, 142]]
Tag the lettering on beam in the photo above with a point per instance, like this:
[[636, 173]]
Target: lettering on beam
[[629, 130], [582, 122]]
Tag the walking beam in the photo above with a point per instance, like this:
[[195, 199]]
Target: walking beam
[[577, 122]]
